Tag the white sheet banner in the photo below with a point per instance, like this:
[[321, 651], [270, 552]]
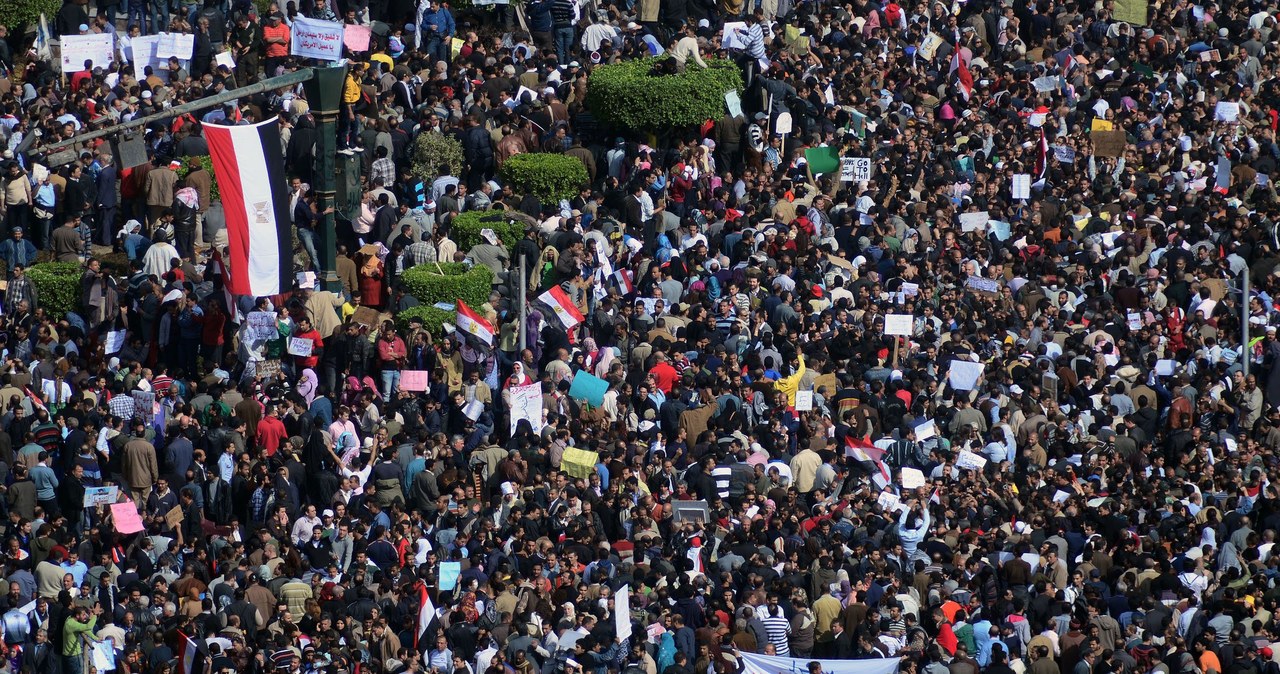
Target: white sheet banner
[[76, 49], [316, 39], [622, 612], [526, 403], [772, 664]]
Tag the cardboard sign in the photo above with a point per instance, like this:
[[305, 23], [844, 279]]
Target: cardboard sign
[[365, 316], [317, 39], [125, 518], [355, 37], [174, 517], [268, 368], [1109, 143], [898, 324], [804, 401], [526, 404], [579, 462], [300, 346], [96, 496], [414, 380], [929, 46], [97, 47]]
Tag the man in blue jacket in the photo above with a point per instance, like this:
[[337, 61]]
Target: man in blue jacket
[[435, 30]]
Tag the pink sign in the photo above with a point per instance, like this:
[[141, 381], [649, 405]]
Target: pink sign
[[126, 518], [356, 37], [414, 380]]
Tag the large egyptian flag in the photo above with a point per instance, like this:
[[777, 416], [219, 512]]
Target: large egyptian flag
[[249, 168], [192, 655]]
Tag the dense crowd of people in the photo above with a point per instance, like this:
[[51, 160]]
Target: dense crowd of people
[[1003, 404]]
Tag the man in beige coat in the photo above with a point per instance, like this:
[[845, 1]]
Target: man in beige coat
[[140, 467]]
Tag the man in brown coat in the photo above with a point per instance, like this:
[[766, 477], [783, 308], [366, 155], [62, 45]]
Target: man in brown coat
[[140, 467], [160, 186], [200, 180]]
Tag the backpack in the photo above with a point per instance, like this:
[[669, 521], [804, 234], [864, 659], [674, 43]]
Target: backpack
[[489, 619]]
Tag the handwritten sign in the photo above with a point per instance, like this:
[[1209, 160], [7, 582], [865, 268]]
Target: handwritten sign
[[1109, 143], [225, 59], [177, 45], [356, 37], [733, 103], [1226, 111], [898, 324], [145, 401], [804, 401], [450, 572], [262, 325], [971, 461], [963, 374], [1021, 186], [300, 346], [973, 222], [174, 517], [316, 39], [526, 404], [76, 49], [888, 501], [268, 368], [911, 478], [414, 380], [103, 655], [982, 285], [95, 496], [855, 169], [126, 519]]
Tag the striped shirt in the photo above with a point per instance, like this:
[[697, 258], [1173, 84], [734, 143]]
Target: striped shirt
[[778, 628], [721, 474]]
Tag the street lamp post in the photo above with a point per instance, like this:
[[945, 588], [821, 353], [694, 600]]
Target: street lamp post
[[324, 93]]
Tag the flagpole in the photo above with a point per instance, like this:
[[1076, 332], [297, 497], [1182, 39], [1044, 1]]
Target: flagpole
[[524, 289]]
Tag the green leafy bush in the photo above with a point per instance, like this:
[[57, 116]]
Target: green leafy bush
[[465, 229], [57, 286], [433, 319], [432, 150], [548, 176], [207, 162], [16, 14], [626, 96], [458, 282]]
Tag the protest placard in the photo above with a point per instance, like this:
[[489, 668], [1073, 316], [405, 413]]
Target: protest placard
[[588, 387], [174, 517], [975, 221], [300, 346], [622, 612], [268, 368], [888, 501], [178, 45], [144, 400], [450, 572], [526, 404], [804, 401], [96, 496], [982, 285], [262, 325], [414, 380], [911, 478], [356, 37], [963, 374], [579, 462], [225, 59], [315, 39], [1108, 143], [1021, 186], [124, 517], [898, 324], [100, 48], [115, 341], [733, 103], [970, 461]]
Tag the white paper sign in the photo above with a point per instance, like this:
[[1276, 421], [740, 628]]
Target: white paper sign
[[971, 461], [262, 325], [526, 403], [783, 125], [300, 346], [1135, 320], [225, 59], [911, 478], [115, 341], [888, 501], [103, 655], [733, 103], [929, 46], [973, 222], [926, 429], [179, 45], [1061, 496], [804, 401], [1022, 186], [898, 324], [732, 35], [316, 39], [855, 169], [963, 374], [473, 410], [622, 612], [76, 49], [1226, 111], [1165, 368]]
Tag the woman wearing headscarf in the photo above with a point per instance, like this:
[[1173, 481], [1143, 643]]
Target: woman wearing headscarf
[[307, 385], [371, 276]]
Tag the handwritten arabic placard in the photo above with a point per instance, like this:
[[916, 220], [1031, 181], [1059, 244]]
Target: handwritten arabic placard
[[317, 39]]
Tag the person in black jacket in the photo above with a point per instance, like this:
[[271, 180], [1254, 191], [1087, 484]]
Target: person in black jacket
[[477, 149], [70, 17]]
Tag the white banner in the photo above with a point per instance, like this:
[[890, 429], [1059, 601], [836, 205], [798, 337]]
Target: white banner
[[76, 49], [773, 664], [316, 39], [622, 611], [180, 45], [526, 403]]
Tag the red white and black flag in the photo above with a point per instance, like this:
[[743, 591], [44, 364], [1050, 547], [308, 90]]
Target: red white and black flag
[[192, 655], [249, 168]]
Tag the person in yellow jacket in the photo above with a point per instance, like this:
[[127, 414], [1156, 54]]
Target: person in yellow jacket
[[348, 129], [789, 385]]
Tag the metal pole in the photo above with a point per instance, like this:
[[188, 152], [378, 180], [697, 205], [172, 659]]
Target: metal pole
[[286, 80], [324, 93], [524, 288], [1244, 322]]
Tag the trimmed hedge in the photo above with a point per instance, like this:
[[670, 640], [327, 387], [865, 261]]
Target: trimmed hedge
[[465, 229], [626, 96], [459, 282], [433, 319], [57, 286], [431, 150], [546, 175], [17, 14]]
